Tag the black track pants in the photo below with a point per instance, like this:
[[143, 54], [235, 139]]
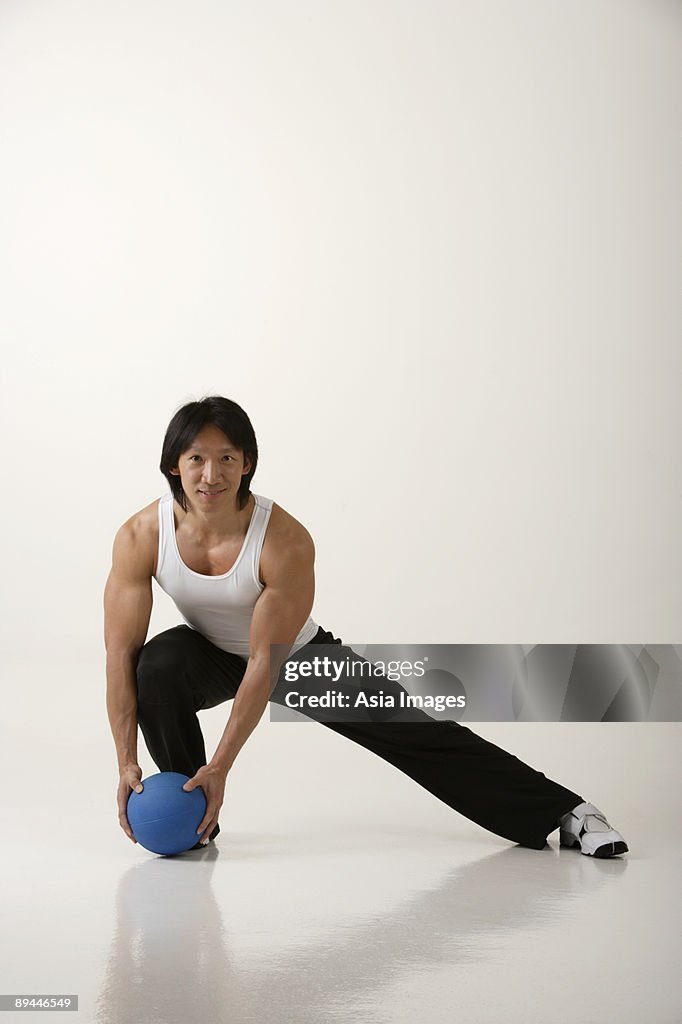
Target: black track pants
[[180, 672]]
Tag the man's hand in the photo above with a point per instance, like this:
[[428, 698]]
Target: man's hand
[[212, 780], [129, 779]]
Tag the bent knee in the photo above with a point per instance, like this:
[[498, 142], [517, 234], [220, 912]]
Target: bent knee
[[160, 665]]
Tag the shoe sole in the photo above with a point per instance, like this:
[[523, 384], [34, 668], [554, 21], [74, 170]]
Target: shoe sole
[[611, 849], [606, 850]]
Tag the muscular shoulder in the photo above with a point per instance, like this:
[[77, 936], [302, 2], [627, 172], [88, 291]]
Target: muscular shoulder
[[287, 545], [140, 534]]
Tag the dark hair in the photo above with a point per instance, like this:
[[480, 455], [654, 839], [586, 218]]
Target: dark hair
[[186, 424]]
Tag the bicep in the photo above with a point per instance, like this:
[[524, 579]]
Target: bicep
[[127, 597], [286, 602]]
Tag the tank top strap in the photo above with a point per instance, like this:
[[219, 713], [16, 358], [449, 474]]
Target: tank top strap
[[166, 526], [261, 514]]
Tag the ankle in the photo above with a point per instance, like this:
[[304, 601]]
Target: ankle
[[577, 809]]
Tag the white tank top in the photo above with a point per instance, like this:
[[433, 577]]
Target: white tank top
[[219, 607]]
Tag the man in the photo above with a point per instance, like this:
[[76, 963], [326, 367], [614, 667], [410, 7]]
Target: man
[[240, 569]]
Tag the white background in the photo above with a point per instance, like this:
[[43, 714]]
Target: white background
[[433, 250]]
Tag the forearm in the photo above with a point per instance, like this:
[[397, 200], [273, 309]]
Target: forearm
[[248, 707], [122, 706]]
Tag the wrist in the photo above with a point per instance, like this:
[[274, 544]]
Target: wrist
[[219, 765]]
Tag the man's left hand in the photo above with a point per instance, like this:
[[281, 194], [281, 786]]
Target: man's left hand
[[212, 780]]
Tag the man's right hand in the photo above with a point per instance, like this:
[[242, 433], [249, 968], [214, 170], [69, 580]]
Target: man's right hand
[[129, 778]]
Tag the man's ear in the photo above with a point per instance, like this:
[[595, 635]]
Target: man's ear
[[175, 472], [247, 465]]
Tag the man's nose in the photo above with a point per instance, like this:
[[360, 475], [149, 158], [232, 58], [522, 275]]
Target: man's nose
[[211, 472]]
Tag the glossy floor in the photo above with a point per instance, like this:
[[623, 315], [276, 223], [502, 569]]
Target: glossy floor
[[339, 891]]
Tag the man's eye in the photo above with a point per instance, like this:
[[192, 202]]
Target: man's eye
[[198, 457]]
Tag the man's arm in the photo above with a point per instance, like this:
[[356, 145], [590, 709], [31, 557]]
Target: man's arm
[[127, 610], [278, 616]]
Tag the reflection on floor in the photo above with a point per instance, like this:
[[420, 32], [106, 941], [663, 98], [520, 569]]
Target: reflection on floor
[[301, 915]]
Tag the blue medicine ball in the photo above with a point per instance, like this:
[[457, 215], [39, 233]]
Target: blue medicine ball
[[164, 817]]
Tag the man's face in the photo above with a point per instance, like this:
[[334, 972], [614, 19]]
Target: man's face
[[211, 469]]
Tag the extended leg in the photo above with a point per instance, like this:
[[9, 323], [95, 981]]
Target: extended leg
[[482, 781]]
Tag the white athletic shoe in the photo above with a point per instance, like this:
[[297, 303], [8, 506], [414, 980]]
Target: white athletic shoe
[[586, 826]]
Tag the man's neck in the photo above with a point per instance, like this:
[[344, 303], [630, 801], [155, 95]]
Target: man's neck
[[211, 529]]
